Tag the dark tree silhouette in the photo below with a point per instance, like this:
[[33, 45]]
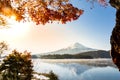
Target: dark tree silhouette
[[3, 47], [17, 66], [53, 76], [115, 38]]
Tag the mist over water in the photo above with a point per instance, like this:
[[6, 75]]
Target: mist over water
[[77, 71]]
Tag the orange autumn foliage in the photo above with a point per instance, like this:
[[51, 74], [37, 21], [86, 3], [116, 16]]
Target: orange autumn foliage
[[40, 11]]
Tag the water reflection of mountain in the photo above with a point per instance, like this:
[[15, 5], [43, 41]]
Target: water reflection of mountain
[[91, 62], [78, 71], [98, 73]]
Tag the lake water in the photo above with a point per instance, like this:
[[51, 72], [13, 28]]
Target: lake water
[[78, 70]]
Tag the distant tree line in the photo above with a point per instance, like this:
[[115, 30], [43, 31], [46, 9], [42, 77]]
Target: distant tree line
[[85, 55], [65, 56]]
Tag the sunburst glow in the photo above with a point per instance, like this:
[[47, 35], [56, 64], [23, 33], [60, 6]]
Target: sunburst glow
[[16, 29], [13, 17]]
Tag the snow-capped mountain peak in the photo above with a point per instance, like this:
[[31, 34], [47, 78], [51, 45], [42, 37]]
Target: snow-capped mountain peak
[[72, 49], [77, 45]]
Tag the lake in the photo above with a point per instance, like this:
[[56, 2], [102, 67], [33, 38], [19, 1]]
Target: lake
[[78, 69]]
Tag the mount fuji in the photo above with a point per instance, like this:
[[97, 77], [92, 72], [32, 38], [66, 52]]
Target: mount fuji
[[72, 49]]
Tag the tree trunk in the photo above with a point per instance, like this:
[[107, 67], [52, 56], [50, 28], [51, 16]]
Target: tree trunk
[[115, 38]]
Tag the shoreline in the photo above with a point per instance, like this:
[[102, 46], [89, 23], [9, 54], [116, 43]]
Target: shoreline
[[95, 62], [77, 60]]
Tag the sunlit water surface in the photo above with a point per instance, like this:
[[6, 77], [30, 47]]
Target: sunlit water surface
[[77, 71]]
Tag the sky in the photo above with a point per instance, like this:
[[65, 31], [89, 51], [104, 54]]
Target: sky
[[93, 29]]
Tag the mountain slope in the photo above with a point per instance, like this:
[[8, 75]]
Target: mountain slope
[[73, 49], [96, 54]]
